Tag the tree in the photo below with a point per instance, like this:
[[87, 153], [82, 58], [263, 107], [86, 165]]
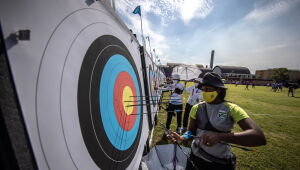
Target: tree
[[280, 74]]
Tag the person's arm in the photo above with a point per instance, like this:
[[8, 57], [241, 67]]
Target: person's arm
[[251, 135], [192, 125], [176, 138], [169, 86]]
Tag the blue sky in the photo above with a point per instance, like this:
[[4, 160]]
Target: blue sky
[[258, 34]]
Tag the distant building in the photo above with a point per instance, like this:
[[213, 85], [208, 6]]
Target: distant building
[[174, 64], [264, 74], [294, 75], [233, 72], [199, 66]]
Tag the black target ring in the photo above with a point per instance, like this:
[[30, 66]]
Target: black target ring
[[104, 153]]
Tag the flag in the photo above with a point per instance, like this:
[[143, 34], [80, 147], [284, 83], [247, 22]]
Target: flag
[[137, 10]]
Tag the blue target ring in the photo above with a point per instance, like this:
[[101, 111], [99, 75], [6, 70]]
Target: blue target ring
[[116, 64]]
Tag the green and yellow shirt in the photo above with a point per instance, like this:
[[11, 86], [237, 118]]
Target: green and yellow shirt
[[222, 117]]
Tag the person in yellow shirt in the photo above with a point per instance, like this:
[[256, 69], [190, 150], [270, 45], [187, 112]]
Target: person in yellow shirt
[[210, 126]]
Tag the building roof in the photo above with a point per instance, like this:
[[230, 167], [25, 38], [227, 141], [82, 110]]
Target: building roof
[[233, 69], [199, 65], [174, 64]]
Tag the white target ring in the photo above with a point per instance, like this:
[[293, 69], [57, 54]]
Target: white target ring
[[57, 112]]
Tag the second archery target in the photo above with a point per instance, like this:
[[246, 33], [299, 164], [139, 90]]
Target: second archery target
[[152, 86], [107, 91]]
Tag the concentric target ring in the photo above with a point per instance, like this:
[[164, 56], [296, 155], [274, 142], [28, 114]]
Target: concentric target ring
[[152, 86], [110, 126]]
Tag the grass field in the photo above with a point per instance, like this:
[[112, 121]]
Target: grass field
[[279, 117]]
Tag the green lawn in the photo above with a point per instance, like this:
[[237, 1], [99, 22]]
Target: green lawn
[[279, 117]]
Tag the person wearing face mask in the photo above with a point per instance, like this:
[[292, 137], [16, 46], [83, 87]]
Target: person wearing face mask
[[194, 98], [175, 102], [210, 127]]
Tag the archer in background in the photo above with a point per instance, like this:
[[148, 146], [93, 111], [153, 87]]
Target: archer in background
[[175, 103], [194, 98]]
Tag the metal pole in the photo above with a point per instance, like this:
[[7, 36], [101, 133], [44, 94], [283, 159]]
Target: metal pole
[[143, 39], [212, 59], [155, 56], [113, 4], [149, 45]]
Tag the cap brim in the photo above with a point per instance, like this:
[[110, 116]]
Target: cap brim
[[205, 84]]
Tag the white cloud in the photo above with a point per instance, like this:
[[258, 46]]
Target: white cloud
[[157, 39], [166, 11], [249, 42], [270, 48], [191, 9], [186, 10], [270, 10]]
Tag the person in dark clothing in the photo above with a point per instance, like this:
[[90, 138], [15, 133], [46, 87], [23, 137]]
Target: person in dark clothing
[[291, 89], [247, 86]]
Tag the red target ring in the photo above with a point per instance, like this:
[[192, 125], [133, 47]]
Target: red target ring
[[124, 90]]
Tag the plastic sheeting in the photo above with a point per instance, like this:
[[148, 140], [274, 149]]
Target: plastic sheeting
[[166, 157]]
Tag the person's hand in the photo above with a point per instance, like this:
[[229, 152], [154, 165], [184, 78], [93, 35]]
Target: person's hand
[[210, 138], [175, 137]]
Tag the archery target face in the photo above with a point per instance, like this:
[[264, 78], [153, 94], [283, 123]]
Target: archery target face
[[112, 128], [87, 77]]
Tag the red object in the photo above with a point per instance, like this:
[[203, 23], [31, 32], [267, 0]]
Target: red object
[[126, 122]]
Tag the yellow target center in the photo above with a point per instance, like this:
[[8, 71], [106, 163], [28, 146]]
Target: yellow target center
[[127, 92]]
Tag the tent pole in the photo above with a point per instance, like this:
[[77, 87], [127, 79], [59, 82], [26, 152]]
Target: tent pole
[[175, 155], [151, 137], [186, 73]]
